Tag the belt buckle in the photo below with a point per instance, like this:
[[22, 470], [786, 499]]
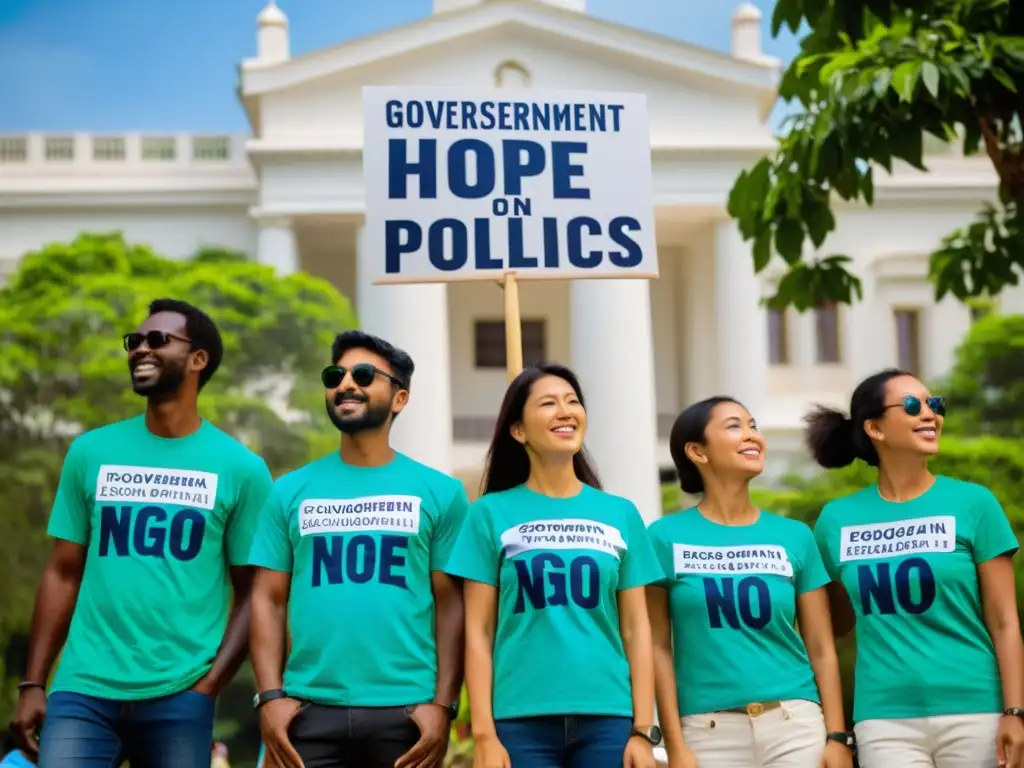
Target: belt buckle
[[755, 709]]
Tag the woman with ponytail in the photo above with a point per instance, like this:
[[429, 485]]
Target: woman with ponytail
[[922, 565]]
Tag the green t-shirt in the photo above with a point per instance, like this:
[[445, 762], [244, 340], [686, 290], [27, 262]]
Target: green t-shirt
[[361, 544], [732, 600], [162, 519], [910, 569], [558, 565]]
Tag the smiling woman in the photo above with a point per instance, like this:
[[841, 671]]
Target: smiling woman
[[922, 565], [736, 580], [554, 572]]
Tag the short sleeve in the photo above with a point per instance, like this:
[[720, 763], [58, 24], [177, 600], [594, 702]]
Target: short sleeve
[[244, 520], [449, 525], [70, 515], [640, 565], [993, 535], [664, 553], [272, 546], [822, 535], [475, 555], [810, 569]]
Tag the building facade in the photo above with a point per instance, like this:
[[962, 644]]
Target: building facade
[[291, 195]]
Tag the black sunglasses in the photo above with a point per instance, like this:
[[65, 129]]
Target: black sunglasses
[[362, 374], [912, 405], [153, 339]]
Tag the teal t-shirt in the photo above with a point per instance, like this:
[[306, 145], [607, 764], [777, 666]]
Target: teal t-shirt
[[361, 544], [162, 519], [910, 569], [558, 565], [732, 600]]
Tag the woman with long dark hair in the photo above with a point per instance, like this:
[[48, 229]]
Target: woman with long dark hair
[[922, 565], [752, 690], [558, 645]]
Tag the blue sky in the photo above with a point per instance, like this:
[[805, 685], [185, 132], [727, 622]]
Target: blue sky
[[123, 65]]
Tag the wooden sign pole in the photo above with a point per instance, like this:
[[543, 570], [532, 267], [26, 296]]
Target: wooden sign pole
[[513, 327]]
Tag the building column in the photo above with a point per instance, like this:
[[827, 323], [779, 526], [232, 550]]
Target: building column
[[613, 354], [413, 318], [740, 323], [277, 246]]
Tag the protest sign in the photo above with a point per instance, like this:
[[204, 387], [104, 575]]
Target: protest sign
[[488, 184]]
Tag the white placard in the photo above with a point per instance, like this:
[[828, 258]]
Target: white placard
[[473, 183]]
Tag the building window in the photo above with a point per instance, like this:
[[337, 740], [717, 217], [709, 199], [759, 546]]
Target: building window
[[108, 148], [211, 148], [158, 148], [908, 340], [489, 343], [778, 337], [13, 150], [826, 328], [59, 149]]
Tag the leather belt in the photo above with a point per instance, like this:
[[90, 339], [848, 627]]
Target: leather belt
[[755, 708]]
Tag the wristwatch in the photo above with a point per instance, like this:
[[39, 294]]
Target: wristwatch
[[651, 733], [1014, 712], [453, 708], [846, 738], [262, 698]]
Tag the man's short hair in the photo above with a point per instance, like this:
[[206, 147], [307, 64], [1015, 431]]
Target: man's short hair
[[201, 330], [399, 360]]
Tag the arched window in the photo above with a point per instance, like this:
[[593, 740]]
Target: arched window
[[511, 74]]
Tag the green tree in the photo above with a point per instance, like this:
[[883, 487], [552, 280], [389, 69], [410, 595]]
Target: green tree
[[63, 370], [985, 389], [872, 78]]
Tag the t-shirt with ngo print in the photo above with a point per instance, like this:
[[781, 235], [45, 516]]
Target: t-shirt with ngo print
[[558, 565], [162, 520], [360, 544], [910, 569]]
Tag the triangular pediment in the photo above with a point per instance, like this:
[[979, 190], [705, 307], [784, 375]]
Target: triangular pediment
[[577, 29]]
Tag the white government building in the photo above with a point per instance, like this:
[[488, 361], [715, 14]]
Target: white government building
[[291, 194]]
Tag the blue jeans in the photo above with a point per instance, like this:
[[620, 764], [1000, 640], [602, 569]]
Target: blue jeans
[[574, 741], [81, 731]]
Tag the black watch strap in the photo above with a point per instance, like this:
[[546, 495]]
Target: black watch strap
[[1014, 712], [264, 696], [845, 738], [453, 709]]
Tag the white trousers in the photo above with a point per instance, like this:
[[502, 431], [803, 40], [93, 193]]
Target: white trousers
[[789, 736], [948, 741]]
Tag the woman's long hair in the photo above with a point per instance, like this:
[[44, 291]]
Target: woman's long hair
[[508, 464]]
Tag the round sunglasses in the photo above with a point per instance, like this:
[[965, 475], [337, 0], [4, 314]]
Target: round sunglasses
[[911, 405], [362, 374], [153, 339]]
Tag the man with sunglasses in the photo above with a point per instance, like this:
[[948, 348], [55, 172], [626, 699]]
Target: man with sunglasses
[[349, 557], [153, 520]]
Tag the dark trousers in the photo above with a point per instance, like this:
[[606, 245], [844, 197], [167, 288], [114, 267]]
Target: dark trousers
[[574, 741], [352, 737], [86, 732]]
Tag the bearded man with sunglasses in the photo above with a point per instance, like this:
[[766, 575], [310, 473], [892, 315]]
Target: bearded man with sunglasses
[[350, 557], [153, 520]]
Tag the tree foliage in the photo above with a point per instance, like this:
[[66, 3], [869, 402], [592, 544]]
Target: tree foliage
[[985, 389], [63, 370], [872, 78]]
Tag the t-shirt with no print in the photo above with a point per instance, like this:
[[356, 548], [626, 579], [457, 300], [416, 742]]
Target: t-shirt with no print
[[732, 600], [360, 544], [910, 569], [558, 565], [162, 519]]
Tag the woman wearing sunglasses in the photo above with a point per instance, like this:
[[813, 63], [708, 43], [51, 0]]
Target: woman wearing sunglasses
[[922, 565], [753, 691], [558, 645]]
